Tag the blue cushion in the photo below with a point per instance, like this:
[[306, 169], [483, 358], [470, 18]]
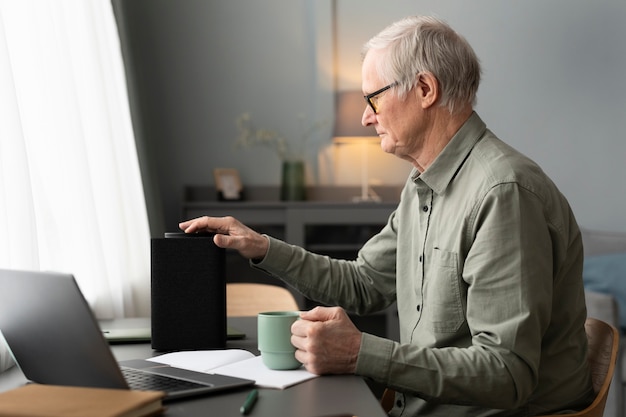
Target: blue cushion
[[607, 274]]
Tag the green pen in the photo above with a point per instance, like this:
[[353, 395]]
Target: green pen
[[249, 403]]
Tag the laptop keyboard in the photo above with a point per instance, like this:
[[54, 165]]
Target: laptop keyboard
[[145, 381]]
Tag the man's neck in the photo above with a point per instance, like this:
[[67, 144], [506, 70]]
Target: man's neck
[[443, 128]]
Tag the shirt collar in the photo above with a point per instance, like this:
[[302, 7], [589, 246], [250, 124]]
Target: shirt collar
[[445, 166]]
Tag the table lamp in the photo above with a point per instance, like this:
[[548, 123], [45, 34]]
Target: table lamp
[[349, 131]]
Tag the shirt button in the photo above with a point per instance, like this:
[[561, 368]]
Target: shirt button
[[399, 403], [418, 308], [425, 208], [420, 258]]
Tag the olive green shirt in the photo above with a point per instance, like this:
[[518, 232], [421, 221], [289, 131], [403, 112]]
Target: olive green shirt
[[484, 258]]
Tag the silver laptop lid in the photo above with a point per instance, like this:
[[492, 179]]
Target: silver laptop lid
[[52, 332]]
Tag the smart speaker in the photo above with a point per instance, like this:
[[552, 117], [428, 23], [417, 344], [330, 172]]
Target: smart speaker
[[188, 292]]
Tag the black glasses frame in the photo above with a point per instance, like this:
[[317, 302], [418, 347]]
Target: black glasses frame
[[368, 98]]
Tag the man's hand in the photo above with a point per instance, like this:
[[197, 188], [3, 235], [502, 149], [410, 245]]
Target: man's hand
[[231, 234], [326, 340]]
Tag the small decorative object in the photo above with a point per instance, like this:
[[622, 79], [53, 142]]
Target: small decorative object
[[228, 184], [292, 154]]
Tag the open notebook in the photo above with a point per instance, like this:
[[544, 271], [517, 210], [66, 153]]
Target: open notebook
[[55, 339], [237, 363]]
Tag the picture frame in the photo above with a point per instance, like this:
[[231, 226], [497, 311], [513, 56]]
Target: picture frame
[[228, 184]]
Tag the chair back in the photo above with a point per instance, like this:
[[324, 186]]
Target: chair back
[[603, 340], [248, 299], [603, 347]]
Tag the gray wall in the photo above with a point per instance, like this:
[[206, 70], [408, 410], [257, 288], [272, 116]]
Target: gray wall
[[553, 86]]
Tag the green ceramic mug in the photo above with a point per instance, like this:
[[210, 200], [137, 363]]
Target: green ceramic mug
[[274, 338]]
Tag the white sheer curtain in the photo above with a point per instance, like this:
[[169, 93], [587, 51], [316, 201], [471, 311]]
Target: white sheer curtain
[[71, 197]]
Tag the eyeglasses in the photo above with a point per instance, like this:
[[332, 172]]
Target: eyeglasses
[[372, 100]]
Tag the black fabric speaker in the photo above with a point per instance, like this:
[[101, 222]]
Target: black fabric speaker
[[188, 293]]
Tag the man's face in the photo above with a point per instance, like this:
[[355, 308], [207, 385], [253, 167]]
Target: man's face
[[398, 122]]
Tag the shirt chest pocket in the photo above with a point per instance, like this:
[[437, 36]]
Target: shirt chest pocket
[[443, 297]]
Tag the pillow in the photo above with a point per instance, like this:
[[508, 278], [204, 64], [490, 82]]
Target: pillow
[[607, 274]]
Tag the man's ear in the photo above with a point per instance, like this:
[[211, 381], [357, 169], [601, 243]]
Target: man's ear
[[427, 89]]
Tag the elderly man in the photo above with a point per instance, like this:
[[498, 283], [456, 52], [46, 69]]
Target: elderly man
[[483, 254]]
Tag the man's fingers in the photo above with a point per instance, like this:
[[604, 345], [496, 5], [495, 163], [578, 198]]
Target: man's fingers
[[195, 225], [320, 313]]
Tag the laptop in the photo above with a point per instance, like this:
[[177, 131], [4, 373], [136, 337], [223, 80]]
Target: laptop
[[138, 330], [55, 339]]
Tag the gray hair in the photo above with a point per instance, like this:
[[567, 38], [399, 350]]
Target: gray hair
[[419, 44]]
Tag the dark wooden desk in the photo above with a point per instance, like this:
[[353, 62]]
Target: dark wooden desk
[[323, 396]]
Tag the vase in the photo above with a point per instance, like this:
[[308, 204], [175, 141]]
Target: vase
[[292, 184]]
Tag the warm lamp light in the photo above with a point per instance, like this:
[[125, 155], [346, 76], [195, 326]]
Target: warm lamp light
[[349, 130]]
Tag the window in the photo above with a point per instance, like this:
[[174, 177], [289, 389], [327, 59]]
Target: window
[[71, 197]]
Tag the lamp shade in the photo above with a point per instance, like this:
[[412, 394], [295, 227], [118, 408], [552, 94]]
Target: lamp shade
[[349, 111]]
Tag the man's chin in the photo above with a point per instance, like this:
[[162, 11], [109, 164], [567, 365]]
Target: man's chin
[[387, 146]]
